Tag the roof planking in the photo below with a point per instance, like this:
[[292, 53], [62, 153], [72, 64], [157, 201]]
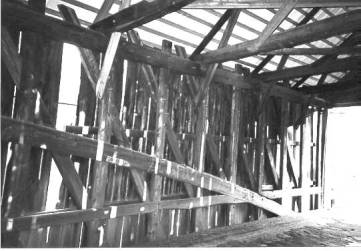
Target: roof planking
[[188, 27]]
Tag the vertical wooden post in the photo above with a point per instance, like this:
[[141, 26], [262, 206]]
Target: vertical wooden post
[[50, 94], [260, 146], [7, 98], [305, 162], [100, 174], [324, 115], [199, 157], [154, 231], [24, 169], [285, 108], [233, 149]]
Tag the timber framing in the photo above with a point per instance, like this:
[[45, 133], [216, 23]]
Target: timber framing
[[64, 143], [168, 136], [342, 24], [66, 32]]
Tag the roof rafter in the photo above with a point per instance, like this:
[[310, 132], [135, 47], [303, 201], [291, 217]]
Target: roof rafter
[[139, 14], [338, 65], [67, 32], [329, 27]]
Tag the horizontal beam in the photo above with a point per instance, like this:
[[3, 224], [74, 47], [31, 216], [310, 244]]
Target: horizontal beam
[[138, 14], [63, 142], [330, 88], [36, 221], [325, 28], [262, 4], [338, 65], [18, 15], [316, 51]]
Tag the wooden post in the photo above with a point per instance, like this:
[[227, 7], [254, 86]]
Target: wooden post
[[285, 109], [260, 146], [324, 115], [7, 97], [154, 231], [234, 210], [100, 175], [20, 197], [305, 162], [199, 157]]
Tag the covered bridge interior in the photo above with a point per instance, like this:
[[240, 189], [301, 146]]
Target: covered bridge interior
[[173, 122]]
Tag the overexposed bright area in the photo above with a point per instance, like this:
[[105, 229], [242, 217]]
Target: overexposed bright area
[[343, 165]]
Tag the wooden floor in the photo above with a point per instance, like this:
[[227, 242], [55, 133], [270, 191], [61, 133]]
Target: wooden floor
[[314, 231]]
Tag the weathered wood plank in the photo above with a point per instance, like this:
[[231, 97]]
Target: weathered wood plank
[[138, 14], [109, 212]]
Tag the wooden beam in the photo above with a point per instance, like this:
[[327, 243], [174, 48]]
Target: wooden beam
[[213, 150], [104, 10], [285, 113], [107, 64], [234, 147], [304, 20], [100, 174], [172, 140], [71, 179], [276, 194], [276, 20], [346, 96], [10, 56], [211, 34], [138, 14], [90, 66], [276, 4], [272, 162], [34, 221], [353, 39], [67, 32], [339, 65], [162, 114], [332, 26], [317, 51], [211, 70], [151, 82], [63, 142]]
